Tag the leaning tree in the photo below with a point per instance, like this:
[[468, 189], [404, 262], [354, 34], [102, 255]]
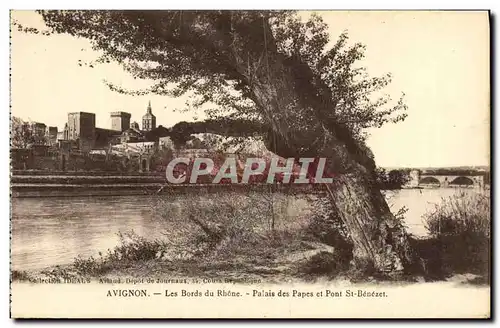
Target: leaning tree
[[271, 68]]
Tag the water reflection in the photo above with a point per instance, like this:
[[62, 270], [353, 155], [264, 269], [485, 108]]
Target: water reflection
[[49, 231]]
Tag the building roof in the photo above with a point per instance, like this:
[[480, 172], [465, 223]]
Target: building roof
[[121, 114], [149, 112], [132, 148], [107, 131], [133, 131], [86, 113]]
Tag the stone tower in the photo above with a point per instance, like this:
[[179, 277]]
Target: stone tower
[[120, 121], [148, 120], [134, 125], [81, 128]]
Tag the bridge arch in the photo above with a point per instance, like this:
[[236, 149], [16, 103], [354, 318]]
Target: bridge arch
[[429, 180], [462, 181]]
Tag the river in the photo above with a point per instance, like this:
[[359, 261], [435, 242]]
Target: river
[[53, 231]]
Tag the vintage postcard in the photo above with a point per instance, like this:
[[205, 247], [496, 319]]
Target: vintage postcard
[[250, 164]]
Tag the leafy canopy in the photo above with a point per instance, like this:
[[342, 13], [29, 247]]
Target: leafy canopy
[[192, 53], [24, 134]]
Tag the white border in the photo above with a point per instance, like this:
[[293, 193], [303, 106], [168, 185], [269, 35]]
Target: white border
[[260, 4], [254, 4]]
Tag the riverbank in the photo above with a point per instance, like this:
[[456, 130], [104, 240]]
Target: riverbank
[[251, 235], [287, 259], [25, 184], [307, 263]]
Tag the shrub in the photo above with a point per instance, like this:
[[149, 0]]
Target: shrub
[[462, 213], [19, 275], [225, 224], [324, 263], [132, 248]]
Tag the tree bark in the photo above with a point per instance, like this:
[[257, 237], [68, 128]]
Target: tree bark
[[379, 239]]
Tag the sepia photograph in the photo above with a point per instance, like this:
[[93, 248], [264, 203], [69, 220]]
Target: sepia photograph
[[250, 164]]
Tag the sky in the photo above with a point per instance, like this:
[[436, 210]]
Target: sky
[[440, 60]]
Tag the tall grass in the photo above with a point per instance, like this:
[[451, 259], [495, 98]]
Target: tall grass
[[460, 235], [462, 213], [131, 249], [226, 225]]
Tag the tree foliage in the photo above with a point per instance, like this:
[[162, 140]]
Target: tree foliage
[[394, 179], [181, 52], [23, 134], [354, 92]]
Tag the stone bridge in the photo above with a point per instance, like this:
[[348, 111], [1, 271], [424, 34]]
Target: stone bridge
[[445, 181]]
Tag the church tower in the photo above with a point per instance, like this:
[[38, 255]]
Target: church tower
[[148, 120]]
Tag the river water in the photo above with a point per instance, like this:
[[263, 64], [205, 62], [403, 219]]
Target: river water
[[53, 231]]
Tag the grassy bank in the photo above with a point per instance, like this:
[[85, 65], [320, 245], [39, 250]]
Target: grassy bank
[[277, 237], [459, 237]]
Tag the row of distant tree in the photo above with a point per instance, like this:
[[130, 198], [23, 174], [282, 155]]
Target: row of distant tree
[[394, 179]]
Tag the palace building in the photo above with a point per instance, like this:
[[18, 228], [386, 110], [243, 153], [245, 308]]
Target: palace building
[[81, 132]]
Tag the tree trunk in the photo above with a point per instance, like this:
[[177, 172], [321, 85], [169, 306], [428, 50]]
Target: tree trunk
[[300, 112], [380, 241], [294, 108]]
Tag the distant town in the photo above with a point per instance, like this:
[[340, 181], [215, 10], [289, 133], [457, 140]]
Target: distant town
[[129, 148], [38, 146]]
